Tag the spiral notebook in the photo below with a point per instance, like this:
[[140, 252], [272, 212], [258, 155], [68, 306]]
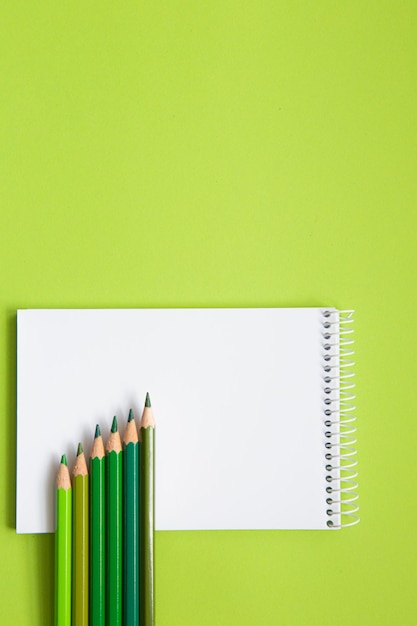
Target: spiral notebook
[[253, 408]]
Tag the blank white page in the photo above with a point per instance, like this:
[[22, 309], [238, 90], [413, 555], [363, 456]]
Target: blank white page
[[237, 396]]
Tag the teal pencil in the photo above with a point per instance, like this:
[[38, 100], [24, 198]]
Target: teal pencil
[[130, 524]]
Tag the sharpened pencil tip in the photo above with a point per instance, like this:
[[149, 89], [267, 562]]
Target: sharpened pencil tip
[[98, 432], [80, 449], [114, 425], [130, 418], [148, 400], [64, 459]]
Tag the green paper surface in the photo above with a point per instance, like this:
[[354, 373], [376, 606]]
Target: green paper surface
[[223, 154]]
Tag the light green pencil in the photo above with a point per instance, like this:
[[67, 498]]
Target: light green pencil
[[63, 543]]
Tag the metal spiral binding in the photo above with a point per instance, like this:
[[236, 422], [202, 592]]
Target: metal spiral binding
[[339, 419]]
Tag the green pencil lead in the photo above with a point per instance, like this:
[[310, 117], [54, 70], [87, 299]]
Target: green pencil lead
[[130, 418], [98, 432], [64, 459], [148, 400], [80, 449], [114, 425]]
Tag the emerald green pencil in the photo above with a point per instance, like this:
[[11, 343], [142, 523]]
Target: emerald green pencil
[[147, 515], [114, 471], [63, 545], [130, 524], [80, 541], [97, 531]]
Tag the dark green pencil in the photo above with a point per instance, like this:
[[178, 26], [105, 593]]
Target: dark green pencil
[[147, 515], [97, 531], [131, 524], [114, 471]]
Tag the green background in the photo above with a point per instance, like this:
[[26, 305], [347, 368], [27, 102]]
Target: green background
[[223, 153]]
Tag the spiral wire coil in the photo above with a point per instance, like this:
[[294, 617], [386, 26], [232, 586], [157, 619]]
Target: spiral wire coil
[[339, 419]]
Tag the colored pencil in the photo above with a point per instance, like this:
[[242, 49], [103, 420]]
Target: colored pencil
[[80, 545], [63, 545], [147, 515], [130, 524], [114, 472], [97, 531]]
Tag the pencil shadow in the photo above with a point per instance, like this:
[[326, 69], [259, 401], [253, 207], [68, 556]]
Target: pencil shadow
[[10, 420]]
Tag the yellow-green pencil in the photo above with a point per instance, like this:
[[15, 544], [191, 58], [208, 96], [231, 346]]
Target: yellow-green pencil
[[147, 515], [80, 580]]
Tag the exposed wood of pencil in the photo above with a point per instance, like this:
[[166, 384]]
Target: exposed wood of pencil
[[63, 479], [114, 443], [80, 466], [147, 418], [97, 449], [131, 433]]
